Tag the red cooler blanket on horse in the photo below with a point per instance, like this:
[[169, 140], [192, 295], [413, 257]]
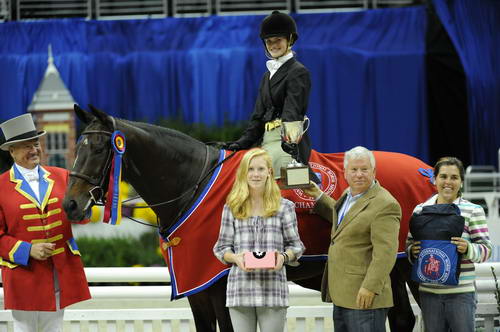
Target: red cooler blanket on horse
[[188, 247]]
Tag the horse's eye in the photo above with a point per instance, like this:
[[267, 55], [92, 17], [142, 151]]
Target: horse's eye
[[99, 150]]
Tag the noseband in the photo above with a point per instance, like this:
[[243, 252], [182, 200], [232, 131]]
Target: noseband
[[97, 191]]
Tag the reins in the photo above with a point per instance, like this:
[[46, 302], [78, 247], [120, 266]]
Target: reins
[[191, 190], [194, 187]]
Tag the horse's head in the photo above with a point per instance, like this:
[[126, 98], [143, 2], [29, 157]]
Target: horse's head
[[90, 174]]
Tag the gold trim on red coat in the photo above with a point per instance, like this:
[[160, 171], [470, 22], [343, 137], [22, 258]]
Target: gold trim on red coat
[[43, 215], [51, 182], [50, 239], [18, 183], [44, 227], [7, 263], [33, 206], [73, 250], [13, 250], [57, 251]]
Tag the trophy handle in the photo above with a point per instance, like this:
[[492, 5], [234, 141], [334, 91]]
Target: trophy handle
[[306, 119]]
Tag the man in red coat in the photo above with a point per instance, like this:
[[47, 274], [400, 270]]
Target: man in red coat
[[42, 272]]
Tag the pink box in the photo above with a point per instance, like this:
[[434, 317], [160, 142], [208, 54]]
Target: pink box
[[260, 259]]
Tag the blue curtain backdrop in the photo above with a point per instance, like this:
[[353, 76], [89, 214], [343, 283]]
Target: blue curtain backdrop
[[367, 71], [474, 28]]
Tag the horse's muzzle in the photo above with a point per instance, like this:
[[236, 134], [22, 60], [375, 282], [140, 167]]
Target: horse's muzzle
[[72, 211]]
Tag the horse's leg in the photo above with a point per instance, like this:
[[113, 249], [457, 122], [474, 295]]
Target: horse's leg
[[313, 283], [413, 285], [401, 317], [308, 274], [209, 307], [218, 298], [203, 313]]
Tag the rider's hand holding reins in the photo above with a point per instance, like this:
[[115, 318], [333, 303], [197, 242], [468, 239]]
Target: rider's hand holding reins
[[233, 146]]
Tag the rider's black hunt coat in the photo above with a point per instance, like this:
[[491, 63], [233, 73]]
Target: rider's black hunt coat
[[286, 97]]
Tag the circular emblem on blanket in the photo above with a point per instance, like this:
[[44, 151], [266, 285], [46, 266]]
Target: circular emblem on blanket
[[327, 177], [433, 266]]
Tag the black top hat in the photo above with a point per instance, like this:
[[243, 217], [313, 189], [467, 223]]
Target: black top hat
[[19, 129]]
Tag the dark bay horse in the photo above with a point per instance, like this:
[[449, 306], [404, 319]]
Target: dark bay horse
[[165, 167], [162, 165]]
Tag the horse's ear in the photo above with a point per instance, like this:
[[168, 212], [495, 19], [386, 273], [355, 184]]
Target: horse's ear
[[103, 117], [84, 116]]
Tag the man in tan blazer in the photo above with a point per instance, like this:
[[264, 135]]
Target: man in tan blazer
[[363, 248]]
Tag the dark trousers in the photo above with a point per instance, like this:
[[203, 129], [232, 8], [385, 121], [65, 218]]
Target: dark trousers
[[448, 312], [353, 320]]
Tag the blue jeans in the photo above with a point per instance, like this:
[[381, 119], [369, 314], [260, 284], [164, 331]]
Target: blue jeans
[[453, 311], [354, 320]]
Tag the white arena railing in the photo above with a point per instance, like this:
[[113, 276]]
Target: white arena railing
[[300, 318]]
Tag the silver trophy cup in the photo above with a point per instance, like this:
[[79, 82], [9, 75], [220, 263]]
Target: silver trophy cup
[[295, 174]]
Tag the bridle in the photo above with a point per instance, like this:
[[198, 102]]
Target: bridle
[[97, 192]]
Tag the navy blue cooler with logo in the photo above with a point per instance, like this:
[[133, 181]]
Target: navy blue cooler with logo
[[439, 260]]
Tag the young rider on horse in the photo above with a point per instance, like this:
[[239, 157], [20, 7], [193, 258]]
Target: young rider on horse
[[283, 95]]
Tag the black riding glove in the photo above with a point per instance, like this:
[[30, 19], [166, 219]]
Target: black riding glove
[[290, 148], [232, 146]]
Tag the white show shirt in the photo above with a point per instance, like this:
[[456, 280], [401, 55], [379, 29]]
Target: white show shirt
[[275, 64]]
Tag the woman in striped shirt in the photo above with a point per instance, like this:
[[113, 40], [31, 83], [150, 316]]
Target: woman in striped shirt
[[453, 307], [257, 219]]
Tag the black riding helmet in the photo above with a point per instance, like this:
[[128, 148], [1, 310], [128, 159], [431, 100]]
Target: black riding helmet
[[279, 25]]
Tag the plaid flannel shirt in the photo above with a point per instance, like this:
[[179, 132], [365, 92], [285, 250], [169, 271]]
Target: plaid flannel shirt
[[259, 288]]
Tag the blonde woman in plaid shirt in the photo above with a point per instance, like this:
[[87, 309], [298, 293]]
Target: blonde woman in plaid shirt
[[257, 218]]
